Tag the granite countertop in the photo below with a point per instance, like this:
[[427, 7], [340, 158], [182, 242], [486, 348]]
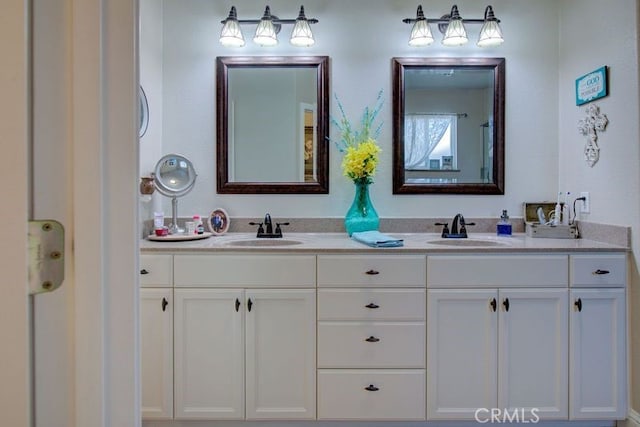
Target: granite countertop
[[413, 243]]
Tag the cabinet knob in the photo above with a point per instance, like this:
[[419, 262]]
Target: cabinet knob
[[494, 304], [165, 303], [372, 305], [237, 305], [249, 304], [144, 271], [372, 272], [599, 272], [372, 339], [505, 303], [578, 304], [371, 387]]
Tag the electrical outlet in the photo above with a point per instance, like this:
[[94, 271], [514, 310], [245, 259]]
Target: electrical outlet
[[586, 203]]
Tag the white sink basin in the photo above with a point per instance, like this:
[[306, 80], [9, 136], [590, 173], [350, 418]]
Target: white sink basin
[[466, 242], [264, 242]]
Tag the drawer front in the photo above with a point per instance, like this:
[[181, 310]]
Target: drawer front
[[598, 270], [281, 271], [371, 394], [371, 270], [156, 270], [371, 304], [371, 345], [470, 271]]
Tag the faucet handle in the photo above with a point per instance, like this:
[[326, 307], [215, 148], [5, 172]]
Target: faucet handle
[[278, 231], [260, 228], [445, 228]]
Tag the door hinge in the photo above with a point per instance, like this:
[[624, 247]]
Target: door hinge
[[46, 256]]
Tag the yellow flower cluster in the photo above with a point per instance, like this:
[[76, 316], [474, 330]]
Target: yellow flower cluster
[[360, 160]]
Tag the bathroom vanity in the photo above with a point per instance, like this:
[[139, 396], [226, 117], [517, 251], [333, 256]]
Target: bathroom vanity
[[321, 327]]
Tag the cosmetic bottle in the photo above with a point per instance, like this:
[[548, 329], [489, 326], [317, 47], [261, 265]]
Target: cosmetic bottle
[[504, 225]]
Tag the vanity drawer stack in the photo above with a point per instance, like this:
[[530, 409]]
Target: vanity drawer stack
[[371, 337]]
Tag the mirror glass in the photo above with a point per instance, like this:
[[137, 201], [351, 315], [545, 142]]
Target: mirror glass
[[144, 113], [448, 118], [174, 176], [272, 123]]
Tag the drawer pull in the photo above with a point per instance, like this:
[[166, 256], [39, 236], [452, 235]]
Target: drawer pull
[[372, 272], [578, 304], [372, 339], [599, 272], [494, 305], [372, 305], [371, 387], [144, 271], [165, 303], [249, 304], [505, 303], [237, 305]]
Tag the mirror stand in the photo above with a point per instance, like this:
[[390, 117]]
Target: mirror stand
[[173, 227]]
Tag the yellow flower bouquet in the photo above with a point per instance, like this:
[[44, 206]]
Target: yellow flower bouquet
[[361, 153]]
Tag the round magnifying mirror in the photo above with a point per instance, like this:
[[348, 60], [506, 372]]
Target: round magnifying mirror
[[174, 177]]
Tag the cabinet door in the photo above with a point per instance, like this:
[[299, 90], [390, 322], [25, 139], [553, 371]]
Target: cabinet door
[[461, 352], [533, 352], [281, 354], [156, 352], [598, 387], [209, 354]]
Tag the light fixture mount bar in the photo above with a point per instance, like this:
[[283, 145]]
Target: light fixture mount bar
[[437, 20]]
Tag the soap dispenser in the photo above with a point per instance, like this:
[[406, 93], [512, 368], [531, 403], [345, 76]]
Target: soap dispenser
[[504, 224]]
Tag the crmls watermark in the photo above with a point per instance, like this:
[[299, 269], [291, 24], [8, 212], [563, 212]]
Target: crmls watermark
[[504, 416]]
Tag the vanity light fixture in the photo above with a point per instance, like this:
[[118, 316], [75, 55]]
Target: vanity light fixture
[[453, 28], [267, 30]]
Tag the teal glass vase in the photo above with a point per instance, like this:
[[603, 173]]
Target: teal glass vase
[[361, 216]]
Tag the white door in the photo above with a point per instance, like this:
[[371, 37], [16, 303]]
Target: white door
[[14, 136], [461, 352], [598, 387], [281, 354], [533, 352], [156, 352], [209, 354]]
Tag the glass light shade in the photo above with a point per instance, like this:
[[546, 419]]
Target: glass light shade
[[420, 34], [266, 32], [490, 34], [456, 34], [301, 34], [231, 35]]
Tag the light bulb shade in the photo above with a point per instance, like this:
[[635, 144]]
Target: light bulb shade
[[301, 34], [490, 35], [420, 34], [266, 32], [456, 34], [231, 34]]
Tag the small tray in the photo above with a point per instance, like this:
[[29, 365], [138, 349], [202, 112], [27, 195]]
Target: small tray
[[179, 237]]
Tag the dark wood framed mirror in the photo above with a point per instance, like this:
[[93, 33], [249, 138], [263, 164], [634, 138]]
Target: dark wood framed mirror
[[272, 125], [448, 125]]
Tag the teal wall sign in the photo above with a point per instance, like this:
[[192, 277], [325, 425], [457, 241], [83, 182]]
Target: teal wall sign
[[591, 86]]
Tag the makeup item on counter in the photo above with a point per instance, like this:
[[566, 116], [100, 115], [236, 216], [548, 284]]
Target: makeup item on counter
[[541, 218], [190, 227], [557, 212], [504, 225], [164, 231], [158, 220], [199, 225]]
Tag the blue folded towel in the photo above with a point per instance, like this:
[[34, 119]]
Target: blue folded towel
[[376, 239]]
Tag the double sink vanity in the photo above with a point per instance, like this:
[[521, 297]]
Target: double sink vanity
[[316, 326]]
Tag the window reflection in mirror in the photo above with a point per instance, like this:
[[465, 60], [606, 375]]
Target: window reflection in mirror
[[448, 125], [272, 124]]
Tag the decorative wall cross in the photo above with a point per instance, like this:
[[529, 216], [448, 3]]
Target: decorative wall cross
[[589, 127]]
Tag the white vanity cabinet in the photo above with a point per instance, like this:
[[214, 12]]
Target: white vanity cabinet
[[156, 335], [501, 345], [244, 352], [597, 354], [371, 337]]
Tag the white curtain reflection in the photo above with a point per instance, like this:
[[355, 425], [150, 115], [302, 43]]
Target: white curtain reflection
[[422, 133]]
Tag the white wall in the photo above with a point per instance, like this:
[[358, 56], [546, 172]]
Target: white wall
[[361, 37], [590, 38]]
